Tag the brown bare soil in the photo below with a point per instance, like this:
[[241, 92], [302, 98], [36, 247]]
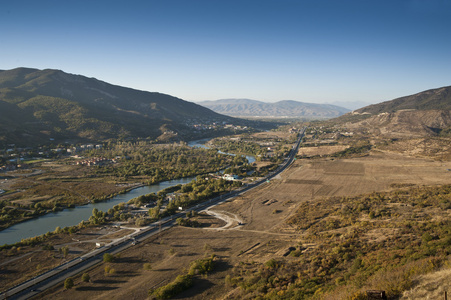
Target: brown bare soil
[[405, 123], [265, 234], [438, 148], [262, 164], [431, 286], [57, 182], [19, 264], [272, 135], [321, 151]]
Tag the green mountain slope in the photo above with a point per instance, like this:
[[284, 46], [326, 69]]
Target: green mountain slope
[[36, 105]]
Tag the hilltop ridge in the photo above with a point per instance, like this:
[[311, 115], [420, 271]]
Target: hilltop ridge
[[37, 105], [439, 98], [427, 113]]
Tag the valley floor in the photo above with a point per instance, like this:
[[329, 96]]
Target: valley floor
[[264, 233]]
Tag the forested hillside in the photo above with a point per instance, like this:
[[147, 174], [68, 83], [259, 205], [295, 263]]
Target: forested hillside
[[39, 105]]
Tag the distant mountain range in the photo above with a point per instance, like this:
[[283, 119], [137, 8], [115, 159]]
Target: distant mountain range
[[351, 105], [281, 109], [39, 105]]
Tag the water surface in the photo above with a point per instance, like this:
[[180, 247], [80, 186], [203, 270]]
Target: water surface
[[73, 216]]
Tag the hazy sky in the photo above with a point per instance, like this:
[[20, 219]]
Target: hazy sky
[[312, 51]]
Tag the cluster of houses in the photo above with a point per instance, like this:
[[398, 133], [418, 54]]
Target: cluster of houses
[[95, 161], [230, 177], [328, 135], [293, 130], [217, 125], [76, 149], [15, 155], [7, 168], [82, 148]]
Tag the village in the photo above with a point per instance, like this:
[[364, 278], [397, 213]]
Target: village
[[14, 158]]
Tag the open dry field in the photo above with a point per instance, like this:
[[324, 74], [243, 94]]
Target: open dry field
[[321, 150], [439, 148], [272, 135], [19, 264], [263, 235]]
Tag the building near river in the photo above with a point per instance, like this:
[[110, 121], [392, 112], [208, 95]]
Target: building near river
[[230, 177]]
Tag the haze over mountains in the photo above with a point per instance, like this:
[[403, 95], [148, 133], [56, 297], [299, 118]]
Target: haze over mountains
[[351, 105], [38, 105], [281, 109]]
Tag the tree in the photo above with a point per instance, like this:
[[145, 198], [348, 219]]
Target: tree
[[154, 212], [108, 257], [68, 283], [98, 217], [85, 277], [64, 250], [140, 222]]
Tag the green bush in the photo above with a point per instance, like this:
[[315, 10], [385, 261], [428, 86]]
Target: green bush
[[181, 283], [108, 257], [272, 263], [202, 266], [85, 277], [68, 283]]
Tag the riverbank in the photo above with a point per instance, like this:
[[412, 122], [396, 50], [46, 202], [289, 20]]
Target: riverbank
[[73, 216], [62, 185], [209, 217], [87, 202]]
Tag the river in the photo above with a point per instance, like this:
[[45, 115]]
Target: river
[[73, 216]]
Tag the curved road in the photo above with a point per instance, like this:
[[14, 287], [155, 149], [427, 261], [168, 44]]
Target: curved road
[[34, 286]]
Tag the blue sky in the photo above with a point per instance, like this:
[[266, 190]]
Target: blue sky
[[311, 51]]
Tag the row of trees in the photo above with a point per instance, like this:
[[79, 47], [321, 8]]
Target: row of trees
[[239, 146], [159, 163]]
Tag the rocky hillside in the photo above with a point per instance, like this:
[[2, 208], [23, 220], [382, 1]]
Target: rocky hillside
[[424, 114], [407, 123], [281, 109], [439, 99], [38, 105]]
